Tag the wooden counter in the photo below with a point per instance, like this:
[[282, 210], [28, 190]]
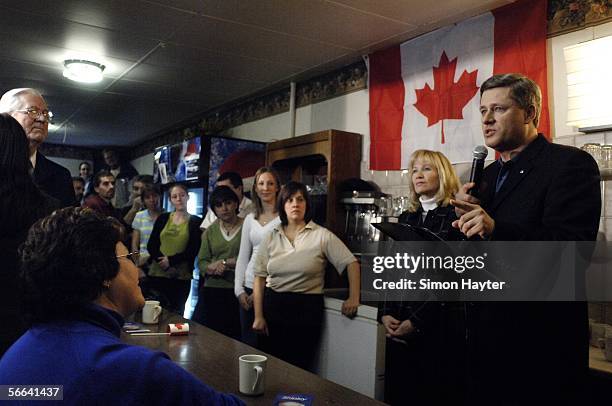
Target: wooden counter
[[213, 358], [597, 361]]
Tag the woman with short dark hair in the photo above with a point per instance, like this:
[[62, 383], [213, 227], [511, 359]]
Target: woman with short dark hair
[[21, 204], [217, 306], [80, 284], [291, 266]]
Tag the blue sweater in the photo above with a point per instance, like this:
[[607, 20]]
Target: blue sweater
[[87, 357]]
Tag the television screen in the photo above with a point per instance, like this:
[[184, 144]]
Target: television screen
[[195, 204], [177, 163]]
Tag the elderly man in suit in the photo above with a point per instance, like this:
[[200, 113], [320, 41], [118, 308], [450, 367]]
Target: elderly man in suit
[[29, 108], [527, 352]]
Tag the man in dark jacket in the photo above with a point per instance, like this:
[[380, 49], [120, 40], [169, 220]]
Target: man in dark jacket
[[123, 173], [100, 200], [529, 352], [29, 108]]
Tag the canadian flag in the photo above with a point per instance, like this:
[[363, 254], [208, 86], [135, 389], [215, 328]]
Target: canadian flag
[[424, 93]]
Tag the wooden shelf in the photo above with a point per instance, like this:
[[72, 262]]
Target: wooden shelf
[[335, 154]]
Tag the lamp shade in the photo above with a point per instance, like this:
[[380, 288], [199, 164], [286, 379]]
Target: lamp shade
[[589, 84]]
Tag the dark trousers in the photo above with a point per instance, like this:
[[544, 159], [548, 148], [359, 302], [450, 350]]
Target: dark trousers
[[172, 293], [217, 308], [248, 336], [294, 325]]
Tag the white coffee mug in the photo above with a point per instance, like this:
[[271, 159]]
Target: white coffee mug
[[151, 312], [252, 371]]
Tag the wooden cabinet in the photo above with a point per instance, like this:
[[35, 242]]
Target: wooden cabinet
[[319, 159]]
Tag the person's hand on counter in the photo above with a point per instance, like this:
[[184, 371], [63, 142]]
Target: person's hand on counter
[[260, 326], [349, 307]]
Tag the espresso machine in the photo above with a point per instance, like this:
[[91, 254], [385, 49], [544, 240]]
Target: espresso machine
[[362, 209]]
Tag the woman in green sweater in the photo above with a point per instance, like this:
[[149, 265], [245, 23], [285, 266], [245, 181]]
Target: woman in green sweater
[[217, 306]]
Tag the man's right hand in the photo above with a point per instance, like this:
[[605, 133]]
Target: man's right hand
[[137, 204], [463, 195]]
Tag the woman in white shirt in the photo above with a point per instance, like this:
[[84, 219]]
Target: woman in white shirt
[[256, 225], [291, 265]]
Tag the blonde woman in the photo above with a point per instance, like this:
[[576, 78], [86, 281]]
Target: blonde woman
[[255, 227], [433, 184], [425, 348]]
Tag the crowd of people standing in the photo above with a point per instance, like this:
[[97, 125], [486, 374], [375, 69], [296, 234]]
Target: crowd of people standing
[[262, 260], [165, 246]]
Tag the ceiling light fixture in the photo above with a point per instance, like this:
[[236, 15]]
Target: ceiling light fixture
[[84, 71]]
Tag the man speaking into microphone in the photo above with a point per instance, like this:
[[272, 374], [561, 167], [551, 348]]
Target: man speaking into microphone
[[535, 191]]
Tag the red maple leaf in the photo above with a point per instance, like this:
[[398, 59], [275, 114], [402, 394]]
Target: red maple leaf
[[448, 98]]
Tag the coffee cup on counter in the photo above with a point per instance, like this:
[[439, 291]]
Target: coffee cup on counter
[[252, 371], [151, 312]]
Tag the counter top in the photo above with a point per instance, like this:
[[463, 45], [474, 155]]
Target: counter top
[[597, 361], [365, 311], [334, 298], [213, 358]]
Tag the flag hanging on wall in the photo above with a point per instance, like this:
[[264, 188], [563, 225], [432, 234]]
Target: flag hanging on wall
[[424, 93]]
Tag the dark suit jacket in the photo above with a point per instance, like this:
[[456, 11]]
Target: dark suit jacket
[[535, 352], [552, 193], [54, 180]]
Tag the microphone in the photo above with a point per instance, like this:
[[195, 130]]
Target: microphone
[[480, 153]]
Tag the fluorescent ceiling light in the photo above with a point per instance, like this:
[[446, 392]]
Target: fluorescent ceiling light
[[84, 71]]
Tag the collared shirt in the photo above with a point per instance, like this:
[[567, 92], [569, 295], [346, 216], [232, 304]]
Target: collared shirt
[[246, 207], [300, 267], [33, 158], [504, 171]]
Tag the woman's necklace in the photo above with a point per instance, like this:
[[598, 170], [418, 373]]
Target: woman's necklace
[[228, 230], [265, 218]]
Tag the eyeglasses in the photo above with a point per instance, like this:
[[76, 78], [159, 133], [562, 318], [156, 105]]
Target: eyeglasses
[[34, 113], [130, 255]]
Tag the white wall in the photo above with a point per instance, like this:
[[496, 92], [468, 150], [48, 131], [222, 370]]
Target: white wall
[[71, 164], [345, 113], [144, 164], [350, 113]]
